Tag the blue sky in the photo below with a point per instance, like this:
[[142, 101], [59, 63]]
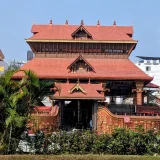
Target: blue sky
[[16, 17]]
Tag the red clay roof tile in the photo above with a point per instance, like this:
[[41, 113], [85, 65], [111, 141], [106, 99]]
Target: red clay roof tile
[[63, 32], [113, 69], [91, 91]]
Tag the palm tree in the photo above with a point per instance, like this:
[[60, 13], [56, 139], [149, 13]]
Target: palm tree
[[18, 98], [36, 89], [11, 93], [13, 120]]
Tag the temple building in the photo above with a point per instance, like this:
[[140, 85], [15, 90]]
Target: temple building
[[96, 84]]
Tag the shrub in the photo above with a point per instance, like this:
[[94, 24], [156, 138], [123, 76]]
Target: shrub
[[122, 141], [101, 144], [119, 142]]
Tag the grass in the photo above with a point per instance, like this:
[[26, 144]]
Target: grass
[[77, 157]]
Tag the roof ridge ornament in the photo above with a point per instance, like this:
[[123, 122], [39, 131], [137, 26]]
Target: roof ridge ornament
[[77, 87], [66, 22], [98, 23], [82, 22], [114, 23], [50, 21]]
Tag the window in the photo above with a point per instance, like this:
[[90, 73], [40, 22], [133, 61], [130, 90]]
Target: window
[[148, 68], [148, 61], [154, 61]]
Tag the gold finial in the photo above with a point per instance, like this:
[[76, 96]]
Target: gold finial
[[114, 23], [98, 23], [82, 22]]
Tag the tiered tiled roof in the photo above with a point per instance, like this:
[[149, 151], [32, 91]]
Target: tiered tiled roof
[[113, 69], [91, 91], [64, 32]]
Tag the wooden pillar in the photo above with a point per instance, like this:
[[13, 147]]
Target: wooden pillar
[[139, 98], [61, 107], [53, 47], [94, 115], [139, 92]]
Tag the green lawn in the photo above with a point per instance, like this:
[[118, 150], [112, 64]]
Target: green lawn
[[77, 157]]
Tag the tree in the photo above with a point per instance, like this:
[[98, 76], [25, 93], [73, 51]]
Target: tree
[[11, 93], [17, 97], [36, 89]]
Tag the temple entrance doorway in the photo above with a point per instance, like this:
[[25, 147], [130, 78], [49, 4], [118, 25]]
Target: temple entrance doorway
[[77, 114]]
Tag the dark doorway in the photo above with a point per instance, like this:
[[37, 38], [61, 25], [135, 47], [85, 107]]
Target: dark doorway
[[77, 114]]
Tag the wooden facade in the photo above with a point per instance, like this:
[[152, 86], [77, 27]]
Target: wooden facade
[[81, 47]]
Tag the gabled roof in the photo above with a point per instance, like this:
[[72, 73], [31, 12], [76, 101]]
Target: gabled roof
[[52, 32], [81, 28], [77, 87], [111, 69], [90, 89], [80, 57]]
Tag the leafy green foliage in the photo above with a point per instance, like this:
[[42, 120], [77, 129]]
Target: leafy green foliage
[[121, 142], [17, 98]]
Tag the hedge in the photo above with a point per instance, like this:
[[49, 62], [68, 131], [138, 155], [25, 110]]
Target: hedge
[[121, 142]]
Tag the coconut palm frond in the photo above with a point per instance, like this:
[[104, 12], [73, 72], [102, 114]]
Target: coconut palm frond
[[32, 77], [19, 120], [6, 78], [2, 90], [8, 121], [15, 97]]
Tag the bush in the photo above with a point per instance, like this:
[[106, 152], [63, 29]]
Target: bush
[[121, 142], [101, 144]]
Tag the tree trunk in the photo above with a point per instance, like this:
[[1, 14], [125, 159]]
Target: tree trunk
[[3, 137], [10, 135], [2, 142]]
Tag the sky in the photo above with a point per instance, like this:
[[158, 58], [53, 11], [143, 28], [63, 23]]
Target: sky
[[17, 16]]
